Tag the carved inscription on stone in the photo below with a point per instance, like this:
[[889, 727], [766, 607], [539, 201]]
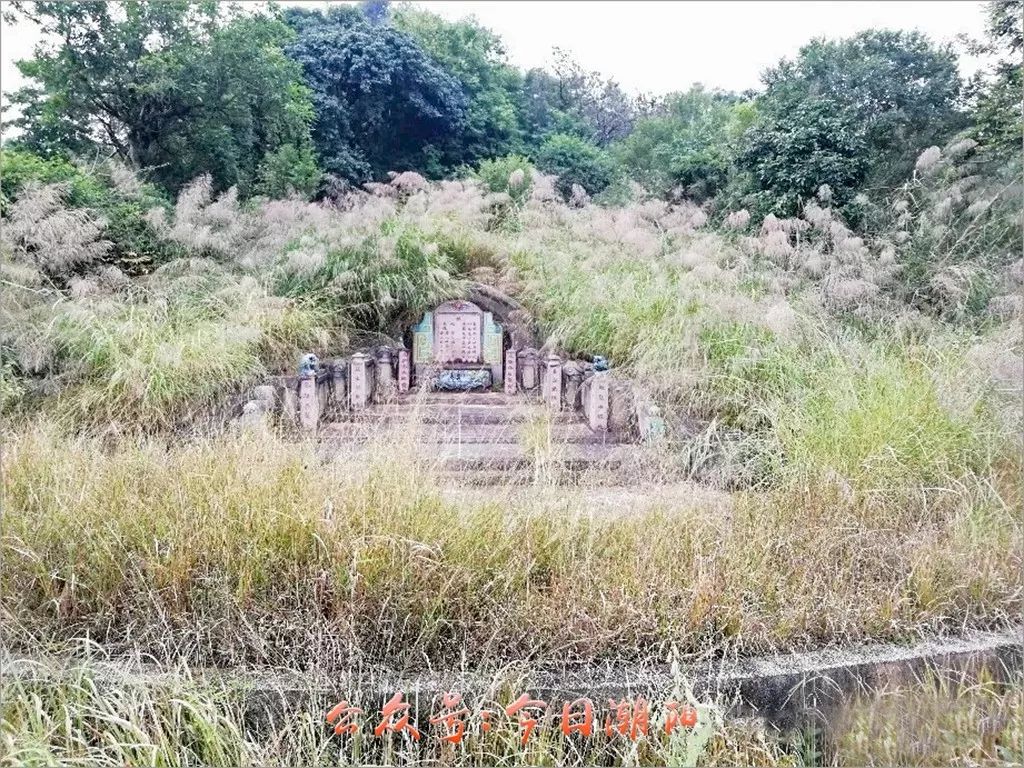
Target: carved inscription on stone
[[458, 333]]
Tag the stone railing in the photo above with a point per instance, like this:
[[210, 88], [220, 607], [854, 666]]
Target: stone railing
[[329, 391]]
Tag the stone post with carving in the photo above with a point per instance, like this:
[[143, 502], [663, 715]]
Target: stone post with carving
[[404, 371], [511, 382], [309, 403], [597, 412], [359, 380], [553, 382]]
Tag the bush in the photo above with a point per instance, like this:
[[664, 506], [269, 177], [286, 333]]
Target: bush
[[115, 194], [512, 175], [575, 161], [289, 170]]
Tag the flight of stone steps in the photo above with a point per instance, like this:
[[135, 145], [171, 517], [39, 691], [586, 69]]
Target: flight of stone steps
[[490, 438]]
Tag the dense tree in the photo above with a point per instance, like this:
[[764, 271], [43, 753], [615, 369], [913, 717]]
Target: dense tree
[[476, 58], [790, 160], [688, 148], [381, 103], [870, 103], [174, 87]]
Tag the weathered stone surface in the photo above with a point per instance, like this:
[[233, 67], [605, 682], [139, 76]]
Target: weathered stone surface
[[255, 417], [529, 365], [404, 371], [511, 371], [266, 393], [360, 382], [553, 382], [598, 406], [458, 333], [309, 403]]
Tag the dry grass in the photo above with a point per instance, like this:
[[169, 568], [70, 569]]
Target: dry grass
[[245, 551], [86, 712]]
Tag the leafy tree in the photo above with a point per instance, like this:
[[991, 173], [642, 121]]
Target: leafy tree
[[575, 161], [790, 160], [997, 120], [474, 56], [573, 101], [690, 147], [381, 103], [882, 95], [173, 87]]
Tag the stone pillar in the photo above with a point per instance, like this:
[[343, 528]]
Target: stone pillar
[[290, 401], [573, 373], [339, 384], [359, 381], [309, 403], [404, 371], [528, 365], [553, 382], [597, 413], [384, 386], [511, 382]]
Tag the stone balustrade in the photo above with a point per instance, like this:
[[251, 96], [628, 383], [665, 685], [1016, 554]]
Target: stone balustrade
[[607, 402]]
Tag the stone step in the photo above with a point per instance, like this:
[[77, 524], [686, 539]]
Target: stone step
[[516, 433], [464, 398], [444, 413], [531, 476], [511, 456]]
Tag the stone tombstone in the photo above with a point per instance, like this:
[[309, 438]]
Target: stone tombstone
[[573, 373], [404, 371], [309, 402], [553, 382], [528, 373], [359, 382], [458, 333], [510, 372], [597, 412]]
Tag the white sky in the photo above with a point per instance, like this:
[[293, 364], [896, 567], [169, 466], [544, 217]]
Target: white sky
[[657, 47]]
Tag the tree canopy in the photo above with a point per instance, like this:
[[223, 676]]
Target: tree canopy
[[176, 88]]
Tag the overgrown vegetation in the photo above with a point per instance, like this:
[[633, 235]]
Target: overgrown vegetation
[[833, 337]]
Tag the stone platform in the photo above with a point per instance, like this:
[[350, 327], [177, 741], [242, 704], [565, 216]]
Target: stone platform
[[488, 438]]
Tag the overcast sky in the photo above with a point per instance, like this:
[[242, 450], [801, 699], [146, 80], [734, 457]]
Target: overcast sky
[[657, 47]]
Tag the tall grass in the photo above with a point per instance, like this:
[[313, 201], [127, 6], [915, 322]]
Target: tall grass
[[237, 551], [86, 713]]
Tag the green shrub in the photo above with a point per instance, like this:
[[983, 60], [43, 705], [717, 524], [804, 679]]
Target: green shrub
[[289, 170], [575, 161], [115, 194], [512, 174]]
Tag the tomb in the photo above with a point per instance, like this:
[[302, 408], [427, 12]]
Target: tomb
[[458, 346]]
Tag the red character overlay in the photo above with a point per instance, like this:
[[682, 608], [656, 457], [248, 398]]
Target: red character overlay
[[578, 722], [522, 706], [394, 706], [630, 718], [345, 714], [485, 720], [679, 715], [452, 716]]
